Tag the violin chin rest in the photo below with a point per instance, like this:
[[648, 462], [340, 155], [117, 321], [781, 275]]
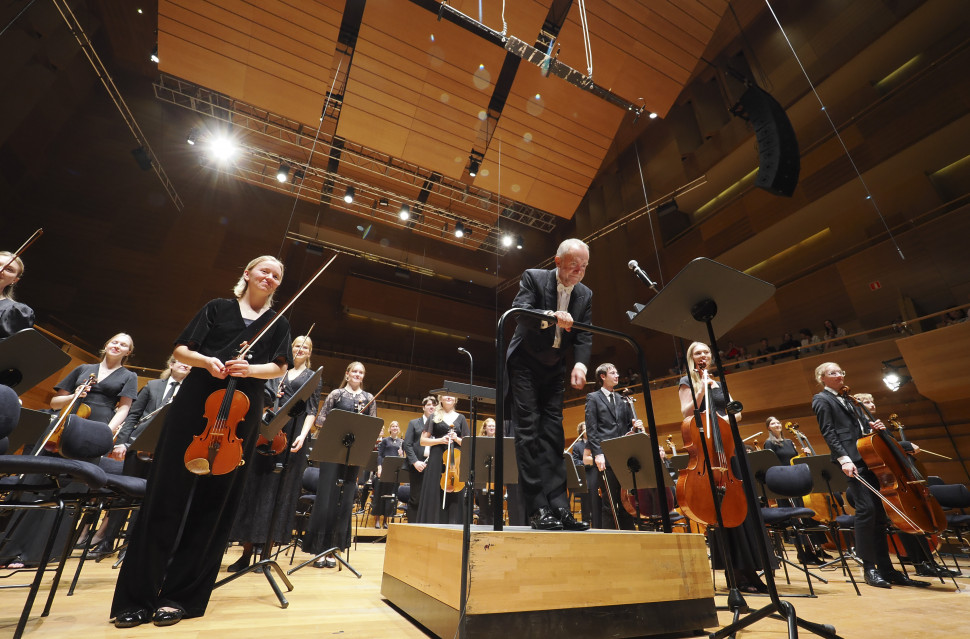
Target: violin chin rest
[[198, 466]]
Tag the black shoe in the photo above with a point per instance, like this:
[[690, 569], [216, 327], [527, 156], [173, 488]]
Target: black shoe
[[326, 562], [131, 618], [568, 522], [873, 578], [927, 569], [543, 519], [823, 555], [899, 579], [809, 559], [103, 548], [239, 564], [168, 617]]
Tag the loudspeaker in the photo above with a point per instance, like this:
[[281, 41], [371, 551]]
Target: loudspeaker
[[778, 157]]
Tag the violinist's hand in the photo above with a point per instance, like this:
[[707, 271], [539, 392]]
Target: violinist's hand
[[663, 453], [915, 449], [564, 320], [456, 439], [877, 425], [849, 469], [215, 367], [297, 443], [118, 452], [600, 461], [81, 391], [237, 368]]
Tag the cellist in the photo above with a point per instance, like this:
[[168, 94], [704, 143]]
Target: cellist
[[183, 527], [842, 426], [447, 425]]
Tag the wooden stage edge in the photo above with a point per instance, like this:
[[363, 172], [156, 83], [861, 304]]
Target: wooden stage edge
[[616, 583]]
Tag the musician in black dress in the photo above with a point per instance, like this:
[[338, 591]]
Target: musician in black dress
[[273, 482], [384, 500], [180, 536], [484, 496], [14, 316], [447, 425], [779, 445], [739, 542], [329, 525]]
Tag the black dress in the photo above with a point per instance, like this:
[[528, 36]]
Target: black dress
[[784, 449], [382, 506], [739, 542], [162, 568], [103, 396], [263, 484], [429, 506], [14, 317], [329, 525]]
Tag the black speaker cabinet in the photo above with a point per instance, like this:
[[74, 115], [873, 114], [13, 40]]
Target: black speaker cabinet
[[778, 157]]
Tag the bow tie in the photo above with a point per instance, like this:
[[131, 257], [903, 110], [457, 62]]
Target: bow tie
[[560, 287]]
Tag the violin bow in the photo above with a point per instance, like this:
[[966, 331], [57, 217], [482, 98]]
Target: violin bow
[[23, 247], [396, 375]]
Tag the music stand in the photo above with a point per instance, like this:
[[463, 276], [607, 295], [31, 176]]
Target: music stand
[[828, 478], [575, 475], [391, 466], [27, 358], [719, 297], [269, 427], [30, 429], [344, 439], [637, 451], [679, 462], [150, 431]]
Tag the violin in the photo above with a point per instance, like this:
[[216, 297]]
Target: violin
[[52, 443], [451, 459], [694, 492], [902, 487]]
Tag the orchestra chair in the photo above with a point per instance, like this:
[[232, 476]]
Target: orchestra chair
[[304, 505], [403, 496], [955, 500]]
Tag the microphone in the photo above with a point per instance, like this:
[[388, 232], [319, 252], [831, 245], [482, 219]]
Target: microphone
[[462, 350], [642, 275]]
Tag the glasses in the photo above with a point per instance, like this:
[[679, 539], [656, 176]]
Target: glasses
[[836, 373]]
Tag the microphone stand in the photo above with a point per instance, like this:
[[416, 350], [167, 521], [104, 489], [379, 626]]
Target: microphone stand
[[468, 500]]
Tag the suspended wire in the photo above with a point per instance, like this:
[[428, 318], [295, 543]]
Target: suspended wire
[[8, 25], [586, 39], [835, 130], [309, 161]]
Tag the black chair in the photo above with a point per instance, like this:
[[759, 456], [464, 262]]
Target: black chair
[[304, 505], [955, 500]]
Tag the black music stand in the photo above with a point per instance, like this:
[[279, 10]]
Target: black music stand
[[151, 431], [828, 478], [27, 358], [718, 296], [575, 475], [391, 466], [269, 427], [345, 439], [637, 451], [31, 428]]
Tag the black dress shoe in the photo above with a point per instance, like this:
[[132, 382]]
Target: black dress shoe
[[873, 578], [131, 618], [568, 521], [899, 579], [239, 564], [809, 559], [103, 548], [927, 569], [543, 519], [167, 617]]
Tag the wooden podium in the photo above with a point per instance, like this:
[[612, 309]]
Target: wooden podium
[[528, 583]]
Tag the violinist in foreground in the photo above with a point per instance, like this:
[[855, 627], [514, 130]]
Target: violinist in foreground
[[609, 415], [842, 426], [183, 527], [447, 426]]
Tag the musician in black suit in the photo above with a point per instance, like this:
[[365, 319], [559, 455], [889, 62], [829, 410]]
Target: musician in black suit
[[536, 361], [608, 415], [414, 454], [155, 394], [842, 426]]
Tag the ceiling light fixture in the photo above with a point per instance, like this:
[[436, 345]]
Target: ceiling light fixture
[[283, 173], [459, 230], [519, 242], [382, 201], [349, 195], [154, 57], [891, 376], [474, 163], [193, 136], [507, 241], [405, 212]]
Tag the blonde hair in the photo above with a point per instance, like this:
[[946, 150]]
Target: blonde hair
[[240, 288], [349, 368], [309, 342], [485, 425], [820, 370], [131, 346], [695, 379], [865, 397], [439, 409], [7, 292]]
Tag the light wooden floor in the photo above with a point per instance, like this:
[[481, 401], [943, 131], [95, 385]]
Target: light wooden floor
[[330, 603]]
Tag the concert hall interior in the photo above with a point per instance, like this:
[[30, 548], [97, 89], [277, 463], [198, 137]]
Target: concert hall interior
[[345, 114]]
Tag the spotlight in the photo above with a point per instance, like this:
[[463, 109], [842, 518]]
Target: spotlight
[[193, 136], [405, 212], [653, 116], [474, 163], [154, 57], [506, 241], [519, 243], [382, 201], [349, 195], [891, 376], [283, 174], [459, 230], [222, 148]]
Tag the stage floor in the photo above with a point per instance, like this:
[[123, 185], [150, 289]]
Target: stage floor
[[330, 603]]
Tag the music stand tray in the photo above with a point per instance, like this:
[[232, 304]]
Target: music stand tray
[[290, 409], [484, 455], [575, 475], [346, 438], [27, 358], [826, 474], [636, 451], [462, 390], [151, 431], [679, 462], [759, 462], [392, 465], [33, 425]]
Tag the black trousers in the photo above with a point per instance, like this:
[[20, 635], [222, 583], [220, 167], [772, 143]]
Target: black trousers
[[537, 394], [416, 479], [870, 522]]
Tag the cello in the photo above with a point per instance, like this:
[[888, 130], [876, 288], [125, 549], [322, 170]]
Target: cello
[[694, 492], [902, 487]]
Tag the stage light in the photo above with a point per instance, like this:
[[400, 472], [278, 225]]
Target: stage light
[[154, 57], [891, 376], [222, 148], [506, 241], [653, 116], [519, 242], [405, 212], [283, 174], [192, 137], [382, 201], [474, 163], [349, 195], [459, 230]]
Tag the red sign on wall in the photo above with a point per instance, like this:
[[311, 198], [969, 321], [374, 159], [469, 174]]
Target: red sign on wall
[[875, 286]]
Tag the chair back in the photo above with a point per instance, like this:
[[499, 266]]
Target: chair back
[[85, 439], [311, 479], [789, 481], [951, 495]]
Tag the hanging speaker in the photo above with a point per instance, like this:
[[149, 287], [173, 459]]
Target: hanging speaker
[[778, 157]]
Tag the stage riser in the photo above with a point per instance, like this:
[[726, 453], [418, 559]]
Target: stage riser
[[543, 584]]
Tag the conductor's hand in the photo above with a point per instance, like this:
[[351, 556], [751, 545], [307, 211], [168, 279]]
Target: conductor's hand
[[564, 320], [600, 461], [237, 368], [577, 379], [877, 425]]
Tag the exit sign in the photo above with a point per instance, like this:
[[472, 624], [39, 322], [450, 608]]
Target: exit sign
[[875, 286]]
